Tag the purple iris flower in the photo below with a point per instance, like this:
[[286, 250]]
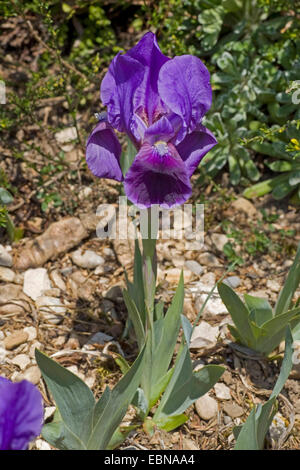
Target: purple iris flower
[[159, 103], [21, 414]]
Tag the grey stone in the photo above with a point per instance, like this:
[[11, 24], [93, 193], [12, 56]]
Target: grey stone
[[233, 410], [32, 374], [206, 407], [232, 281], [204, 336], [6, 274], [222, 391], [219, 240], [15, 339], [51, 308], [99, 338], [36, 281], [208, 259], [278, 427], [89, 259], [5, 258], [21, 360], [194, 266]]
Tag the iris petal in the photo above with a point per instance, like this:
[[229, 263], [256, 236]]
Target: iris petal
[[118, 86], [103, 153], [21, 414], [146, 100], [184, 87], [157, 176], [195, 146]]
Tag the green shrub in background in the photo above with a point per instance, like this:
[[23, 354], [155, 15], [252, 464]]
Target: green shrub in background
[[256, 324]]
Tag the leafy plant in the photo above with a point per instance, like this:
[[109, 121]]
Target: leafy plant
[[257, 326], [81, 423], [178, 386], [6, 222], [287, 162], [251, 435]]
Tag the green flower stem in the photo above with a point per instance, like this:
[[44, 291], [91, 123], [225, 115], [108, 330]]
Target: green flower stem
[[149, 268]]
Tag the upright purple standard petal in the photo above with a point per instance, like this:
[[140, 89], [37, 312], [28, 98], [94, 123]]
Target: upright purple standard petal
[[195, 146], [157, 176], [21, 414], [184, 87], [103, 152], [146, 100], [124, 75]]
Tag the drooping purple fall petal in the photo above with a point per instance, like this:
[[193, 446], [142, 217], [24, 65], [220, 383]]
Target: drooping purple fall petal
[[157, 176], [21, 414], [195, 146], [103, 153]]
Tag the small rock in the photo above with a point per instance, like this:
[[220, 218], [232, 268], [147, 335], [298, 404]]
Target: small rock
[[59, 238], [209, 279], [227, 420], [51, 308], [274, 286], [3, 354], [219, 240], [188, 444], [21, 360], [35, 345], [32, 374], [15, 339], [89, 259], [99, 338], [233, 410], [49, 412], [36, 281], [204, 336], [206, 407], [232, 281], [90, 381], [194, 266], [53, 292], [208, 259], [65, 136], [115, 294], [278, 427], [40, 444], [66, 271], [85, 192], [5, 258], [214, 305], [6, 274], [227, 377], [243, 205], [58, 280], [222, 391], [99, 270]]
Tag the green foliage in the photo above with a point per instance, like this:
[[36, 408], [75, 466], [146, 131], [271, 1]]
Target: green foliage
[[81, 423], [177, 387], [256, 325], [251, 435]]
